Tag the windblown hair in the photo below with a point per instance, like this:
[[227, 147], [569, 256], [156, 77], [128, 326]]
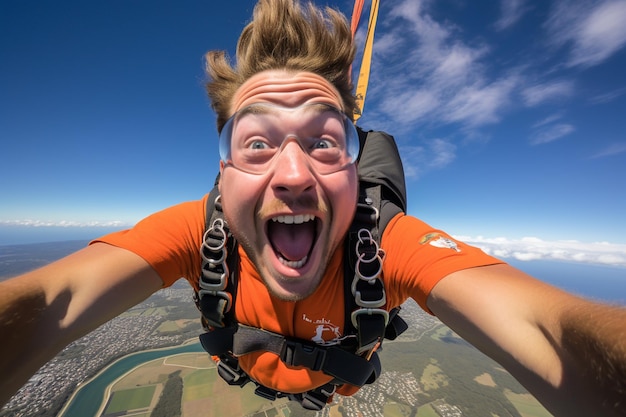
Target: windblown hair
[[284, 35]]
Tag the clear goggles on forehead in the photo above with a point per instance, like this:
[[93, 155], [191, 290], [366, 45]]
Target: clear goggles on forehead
[[255, 135]]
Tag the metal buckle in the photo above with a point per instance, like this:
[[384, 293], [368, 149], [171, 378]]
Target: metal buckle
[[372, 258], [220, 294], [369, 312], [369, 304], [215, 268], [376, 255], [367, 213], [211, 274], [369, 349], [217, 227]]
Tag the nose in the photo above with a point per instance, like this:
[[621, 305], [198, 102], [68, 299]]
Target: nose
[[292, 170]]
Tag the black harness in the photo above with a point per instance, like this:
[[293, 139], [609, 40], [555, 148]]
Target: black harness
[[352, 359]]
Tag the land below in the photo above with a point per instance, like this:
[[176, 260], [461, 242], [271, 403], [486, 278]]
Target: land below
[[427, 372]]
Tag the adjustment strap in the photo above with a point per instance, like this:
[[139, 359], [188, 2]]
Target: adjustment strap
[[396, 325], [371, 324], [214, 307]]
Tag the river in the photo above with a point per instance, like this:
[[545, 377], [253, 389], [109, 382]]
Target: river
[[88, 398]]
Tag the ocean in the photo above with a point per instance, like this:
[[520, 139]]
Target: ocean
[[598, 282]]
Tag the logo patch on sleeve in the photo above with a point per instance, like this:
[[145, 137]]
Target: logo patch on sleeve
[[439, 241]]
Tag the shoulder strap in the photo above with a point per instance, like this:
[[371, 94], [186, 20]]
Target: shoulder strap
[[218, 281], [382, 195]]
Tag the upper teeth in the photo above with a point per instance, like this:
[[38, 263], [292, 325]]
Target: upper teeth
[[298, 219]]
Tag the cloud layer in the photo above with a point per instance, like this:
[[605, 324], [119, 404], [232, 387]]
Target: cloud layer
[[63, 223], [524, 249], [533, 249]]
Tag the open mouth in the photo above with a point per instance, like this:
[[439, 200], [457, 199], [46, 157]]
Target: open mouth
[[293, 237]]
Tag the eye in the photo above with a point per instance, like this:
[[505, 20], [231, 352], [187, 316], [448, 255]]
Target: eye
[[323, 144], [258, 145]]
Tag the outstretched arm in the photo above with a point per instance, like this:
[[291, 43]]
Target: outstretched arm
[[569, 352], [43, 311]]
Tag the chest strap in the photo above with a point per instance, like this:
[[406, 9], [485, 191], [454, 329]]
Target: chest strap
[[333, 360]]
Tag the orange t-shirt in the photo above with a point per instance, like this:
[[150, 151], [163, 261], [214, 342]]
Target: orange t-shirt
[[417, 257]]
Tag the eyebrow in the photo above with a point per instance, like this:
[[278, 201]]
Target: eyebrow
[[269, 108]]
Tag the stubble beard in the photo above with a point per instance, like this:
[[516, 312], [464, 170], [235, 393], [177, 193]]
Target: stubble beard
[[271, 278]]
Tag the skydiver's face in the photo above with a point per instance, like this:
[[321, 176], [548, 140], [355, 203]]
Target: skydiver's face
[[290, 210]]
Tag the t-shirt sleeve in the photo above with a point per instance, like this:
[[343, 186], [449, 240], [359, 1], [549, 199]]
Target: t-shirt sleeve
[[168, 240], [418, 256]]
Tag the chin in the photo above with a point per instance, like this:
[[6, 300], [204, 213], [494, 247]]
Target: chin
[[291, 289]]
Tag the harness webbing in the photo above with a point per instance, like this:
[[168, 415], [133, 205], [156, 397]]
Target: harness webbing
[[334, 360], [351, 359], [217, 283]]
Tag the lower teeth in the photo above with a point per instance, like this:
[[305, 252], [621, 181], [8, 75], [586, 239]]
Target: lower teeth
[[293, 264]]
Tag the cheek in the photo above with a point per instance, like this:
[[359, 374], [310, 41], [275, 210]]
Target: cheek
[[239, 194]]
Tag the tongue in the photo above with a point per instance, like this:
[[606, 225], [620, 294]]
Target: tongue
[[292, 241]]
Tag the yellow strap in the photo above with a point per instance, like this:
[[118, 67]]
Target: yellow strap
[[364, 74]]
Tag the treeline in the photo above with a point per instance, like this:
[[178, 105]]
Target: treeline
[[170, 401]]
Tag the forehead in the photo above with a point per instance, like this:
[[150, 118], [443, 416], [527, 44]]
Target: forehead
[[286, 89]]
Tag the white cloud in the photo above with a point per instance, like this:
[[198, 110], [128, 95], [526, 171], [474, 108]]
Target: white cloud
[[540, 93], [611, 150], [427, 73], [548, 120], [511, 12], [551, 133], [532, 248], [63, 223], [430, 74], [594, 31], [417, 159], [410, 105], [477, 105], [608, 97]]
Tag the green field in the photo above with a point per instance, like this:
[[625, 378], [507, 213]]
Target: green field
[[197, 382], [130, 399], [427, 411], [527, 405], [394, 409]]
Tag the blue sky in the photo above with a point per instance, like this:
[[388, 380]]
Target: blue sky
[[510, 116]]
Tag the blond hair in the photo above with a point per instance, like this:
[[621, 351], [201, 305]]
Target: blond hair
[[284, 35]]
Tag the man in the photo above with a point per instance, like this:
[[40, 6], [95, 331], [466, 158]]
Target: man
[[288, 190]]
